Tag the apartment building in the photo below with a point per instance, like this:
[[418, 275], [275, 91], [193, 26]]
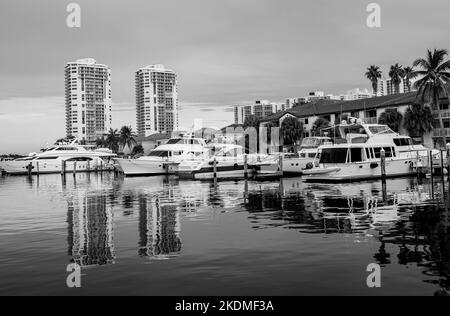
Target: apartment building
[[87, 99], [156, 100]]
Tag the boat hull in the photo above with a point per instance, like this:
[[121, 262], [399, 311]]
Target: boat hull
[[144, 167], [52, 166], [360, 171]]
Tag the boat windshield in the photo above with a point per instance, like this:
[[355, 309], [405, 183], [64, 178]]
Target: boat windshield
[[175, 141], [333, 155], [380, 129], [312, 142], [159, 153]]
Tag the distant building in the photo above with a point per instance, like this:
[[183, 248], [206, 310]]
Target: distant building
[[356, 94], [386, 87], [156, 100], [88, 99], [260, 109]]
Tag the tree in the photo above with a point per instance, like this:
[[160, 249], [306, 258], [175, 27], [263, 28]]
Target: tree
[[373, 74], [291, 131], [112, 140], [320, 124], [137, 150], [100, 142], [409, 74], [418, 120], [127, 138], [434, 73], [391, 118], [396, 73]]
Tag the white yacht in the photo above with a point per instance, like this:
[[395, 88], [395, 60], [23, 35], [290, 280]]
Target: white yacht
[[230, 160], [356, 154], [54, 159], [295, 163], [165, 158]]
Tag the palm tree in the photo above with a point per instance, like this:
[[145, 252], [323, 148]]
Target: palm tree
[[127, 138], [137, 150], [391, 118], [434, 75], [418, 120], [373, 74], [408, 73], [396, 73], [291, 131], [112, 140]]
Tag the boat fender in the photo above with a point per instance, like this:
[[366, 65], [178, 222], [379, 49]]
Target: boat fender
[[236, 166], [373, 165], [309, 165]]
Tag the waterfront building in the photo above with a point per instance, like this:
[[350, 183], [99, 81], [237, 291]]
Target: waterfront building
[[156, 100], [368, 109], [87, 99]]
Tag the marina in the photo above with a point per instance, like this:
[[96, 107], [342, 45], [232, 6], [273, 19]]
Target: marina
[[162, 233]]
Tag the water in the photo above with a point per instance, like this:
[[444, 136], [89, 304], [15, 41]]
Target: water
[[159, 236]]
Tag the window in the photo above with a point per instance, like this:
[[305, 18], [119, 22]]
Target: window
[[403, 141], [356, 154], [159, 153], [333, 155]]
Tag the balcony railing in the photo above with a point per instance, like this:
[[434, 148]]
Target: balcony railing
[[439, 132], [444, 113]]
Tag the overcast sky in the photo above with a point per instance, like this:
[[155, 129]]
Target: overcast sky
[[225, 52]]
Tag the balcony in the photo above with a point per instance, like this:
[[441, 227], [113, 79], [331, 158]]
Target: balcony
[[444, 113], [439, 132]]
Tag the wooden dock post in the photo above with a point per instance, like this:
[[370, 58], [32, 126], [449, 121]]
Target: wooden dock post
[[430, 163], [88, 166], [37, 168], [215, 168], [74, 168], [442, 165], [280, 164], [245, 166], [63, 168], [383, 163], [30, 169], [417, 165]]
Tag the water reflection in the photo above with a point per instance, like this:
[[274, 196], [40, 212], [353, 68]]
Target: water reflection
[[159, 229], [407, 220], [90, 229]]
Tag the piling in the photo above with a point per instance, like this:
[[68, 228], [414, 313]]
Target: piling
[[442, 165], [417, 165], [383, 164], [215, 168], [280, 165], [30, 169], [430, 163], [245, 166], [74, 168], [88, 166], [37, 168], [63, 167]]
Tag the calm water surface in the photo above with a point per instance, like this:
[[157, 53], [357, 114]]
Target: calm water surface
[[159, 236]]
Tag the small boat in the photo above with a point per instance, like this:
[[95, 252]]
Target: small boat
[[61, 158], [165, 158]]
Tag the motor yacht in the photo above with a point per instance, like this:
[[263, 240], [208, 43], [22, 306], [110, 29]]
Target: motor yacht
[[165, 158], [61, 157]]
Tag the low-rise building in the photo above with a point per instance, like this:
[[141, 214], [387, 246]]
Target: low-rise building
[[369, 110]]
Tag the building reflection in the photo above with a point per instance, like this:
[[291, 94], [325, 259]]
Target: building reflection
[[90, 229], [159, 229]]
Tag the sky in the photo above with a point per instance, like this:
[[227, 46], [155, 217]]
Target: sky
[[225, 52]]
